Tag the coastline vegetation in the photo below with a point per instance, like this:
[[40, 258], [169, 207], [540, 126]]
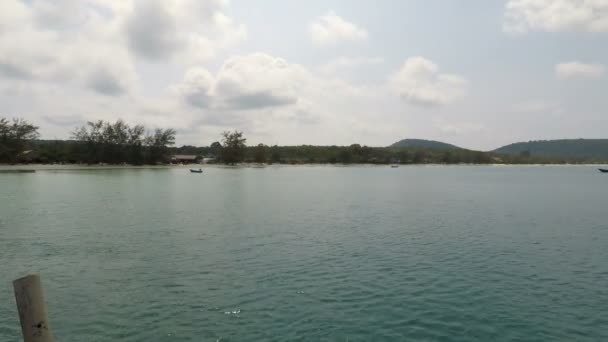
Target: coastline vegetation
[[116, 143], [15, 135]]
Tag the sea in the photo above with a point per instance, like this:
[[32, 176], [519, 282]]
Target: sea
[[310, 253]]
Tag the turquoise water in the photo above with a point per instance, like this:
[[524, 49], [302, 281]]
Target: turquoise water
[[430, 253]]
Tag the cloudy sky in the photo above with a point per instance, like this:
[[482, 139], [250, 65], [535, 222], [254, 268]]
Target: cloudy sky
[[476, 73]]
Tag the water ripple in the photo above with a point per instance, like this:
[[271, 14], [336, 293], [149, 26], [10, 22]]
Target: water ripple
[[458, 254]]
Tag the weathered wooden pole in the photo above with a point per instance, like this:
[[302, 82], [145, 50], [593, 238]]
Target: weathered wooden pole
[[32, 309]]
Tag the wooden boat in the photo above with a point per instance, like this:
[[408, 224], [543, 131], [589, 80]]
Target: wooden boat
[[603, 170], [196, 171]]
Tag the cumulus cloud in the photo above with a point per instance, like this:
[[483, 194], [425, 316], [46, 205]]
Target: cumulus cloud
[[12, 70], [58, 53], [59, 14], [196, 87], [106, 82], [152, 30], [90, 65], [85, 60], [189, 29], [258, 81], [556, 15], [331, 29], [68, 61], [419, 82], [267, 94], [572, 70], [96, 43], [244, 82]]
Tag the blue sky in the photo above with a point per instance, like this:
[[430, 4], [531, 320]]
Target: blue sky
[[474, 73]]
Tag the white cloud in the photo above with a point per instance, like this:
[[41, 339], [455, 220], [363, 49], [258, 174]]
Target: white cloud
[[58, 53], [59, 14], [152, 31], [331, 29], [107, 81], [196, 87], [244, 82], [263, 93], [258, 81], [556, 15], [572, 70], [96, 43], [86, 60], [419, 82], [188, 29], [68, 61]]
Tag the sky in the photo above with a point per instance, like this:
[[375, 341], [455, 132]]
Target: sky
[[476, 73]]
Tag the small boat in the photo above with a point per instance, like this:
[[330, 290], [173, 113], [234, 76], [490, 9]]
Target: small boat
[[17, 171], [603, 170], [196, 171], [394, 166]]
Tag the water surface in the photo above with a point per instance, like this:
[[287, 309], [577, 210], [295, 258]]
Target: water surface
[[308, 253]]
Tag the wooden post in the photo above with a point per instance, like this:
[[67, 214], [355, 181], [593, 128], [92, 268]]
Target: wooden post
[[32, 309]]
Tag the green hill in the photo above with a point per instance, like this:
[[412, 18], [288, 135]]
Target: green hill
[[421, 143], [581, 149]]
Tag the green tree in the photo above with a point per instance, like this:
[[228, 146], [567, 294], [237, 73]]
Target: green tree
[[366, 153], [14, 137], [259, 155], [158, 144], [233, 150], [117, 142], [420, 157], [403, 156], [135, 144], [92, 138], [447, 157], [345, 156], [216, 149], [275, 154]]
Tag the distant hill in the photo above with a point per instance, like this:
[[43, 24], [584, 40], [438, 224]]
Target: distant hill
[[421, 143], [584, 149]]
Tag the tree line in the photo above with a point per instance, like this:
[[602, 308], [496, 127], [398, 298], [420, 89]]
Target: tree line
[[14, 137], [118, 143], [232, 149], [95, 142], [353, 154]]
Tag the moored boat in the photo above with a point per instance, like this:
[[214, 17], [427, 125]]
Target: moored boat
[[196, 171], [17, 171]]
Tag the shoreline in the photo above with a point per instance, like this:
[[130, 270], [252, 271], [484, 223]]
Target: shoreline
[[73, 167]]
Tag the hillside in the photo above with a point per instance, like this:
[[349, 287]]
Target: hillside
[[421, 143], [582, 149]]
